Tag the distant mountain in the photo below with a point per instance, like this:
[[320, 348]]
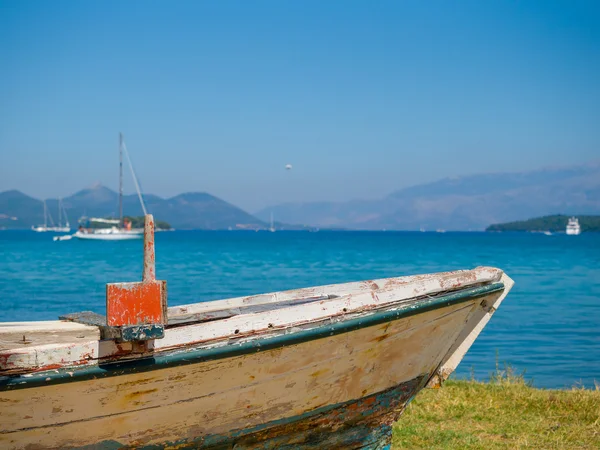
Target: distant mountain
[[202, 211], [459, 203], [18, 210], [184, 211]]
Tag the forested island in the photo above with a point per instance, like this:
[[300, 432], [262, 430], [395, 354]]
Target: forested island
[[555, 223], [138, 222]]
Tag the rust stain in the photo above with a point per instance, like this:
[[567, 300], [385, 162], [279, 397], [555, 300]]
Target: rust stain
[[380, 338], [135, 383], [50, 367], [318, 373], [86, 356], [4, 363], [435, 382], [177, 377], [122, 350], [370, 284], [138, 394]]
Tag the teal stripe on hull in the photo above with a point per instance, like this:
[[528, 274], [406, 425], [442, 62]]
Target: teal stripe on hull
[[197, 355]]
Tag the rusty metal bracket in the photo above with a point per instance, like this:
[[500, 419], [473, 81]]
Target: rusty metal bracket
[[134, 311]]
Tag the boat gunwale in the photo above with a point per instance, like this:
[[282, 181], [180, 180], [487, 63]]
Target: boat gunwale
[[179, 357], [181, 313]]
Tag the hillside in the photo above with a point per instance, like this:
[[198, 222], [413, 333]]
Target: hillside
[[18, 210], [184, 211], [459, 203], [556, 223]]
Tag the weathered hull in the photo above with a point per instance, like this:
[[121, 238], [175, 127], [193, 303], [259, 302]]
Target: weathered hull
[[365, 423], [331, 388]]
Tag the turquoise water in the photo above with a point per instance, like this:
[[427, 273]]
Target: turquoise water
[[548, 326]]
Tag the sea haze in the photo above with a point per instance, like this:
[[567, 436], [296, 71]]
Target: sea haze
[[471, 202], [547, 326]]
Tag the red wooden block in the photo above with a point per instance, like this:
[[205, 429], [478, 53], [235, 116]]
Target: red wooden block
[[136, 303]]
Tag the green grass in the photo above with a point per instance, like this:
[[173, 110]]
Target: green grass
[[504, 413]]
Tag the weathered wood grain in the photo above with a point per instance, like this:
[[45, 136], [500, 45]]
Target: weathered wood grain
[[30, 334], [435, 282]]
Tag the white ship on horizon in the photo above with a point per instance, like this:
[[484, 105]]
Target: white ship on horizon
[[573, 227]]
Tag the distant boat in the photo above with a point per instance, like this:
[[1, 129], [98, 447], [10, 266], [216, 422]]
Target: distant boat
[[547, 233], [48, 217], [440, 230], [315, 368], [121, 228], [272, 227], [114, 233], [573, 227], [62, 237]]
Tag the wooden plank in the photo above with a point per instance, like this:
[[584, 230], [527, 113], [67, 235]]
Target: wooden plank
[[207, 316], [30, 334], [444, 280]]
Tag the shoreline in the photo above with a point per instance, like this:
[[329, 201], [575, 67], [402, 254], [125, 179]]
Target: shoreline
[[505, 412]]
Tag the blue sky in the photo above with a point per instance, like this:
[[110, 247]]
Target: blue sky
[[362, 98]]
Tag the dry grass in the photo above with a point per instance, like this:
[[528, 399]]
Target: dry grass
[[505, 413]]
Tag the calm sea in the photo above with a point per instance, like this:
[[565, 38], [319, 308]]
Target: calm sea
[[549, 325]]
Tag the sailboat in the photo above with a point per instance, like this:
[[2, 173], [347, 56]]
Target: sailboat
[[57, 229], [121, 228]]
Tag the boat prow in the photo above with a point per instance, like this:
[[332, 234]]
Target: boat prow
[[322, 367]]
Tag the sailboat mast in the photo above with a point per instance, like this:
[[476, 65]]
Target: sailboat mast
[[66, 217], [59, 214], [45, 216], [120, 179]]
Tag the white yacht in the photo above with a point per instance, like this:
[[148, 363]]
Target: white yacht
[[573, 226]]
